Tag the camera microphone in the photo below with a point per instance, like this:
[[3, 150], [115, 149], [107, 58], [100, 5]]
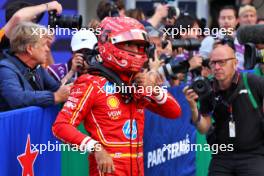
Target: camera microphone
[[251, 34]]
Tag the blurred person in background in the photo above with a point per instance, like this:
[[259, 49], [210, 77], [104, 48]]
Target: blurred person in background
[[228, 20], [118, 148], [121, 7], [247, 15], [110, 8], [83, 43], [24, 82], [166, 53], [245, 2], [173, 14], [189, 23], [186, 21], [93, 23], [156, 19], [136, 14]]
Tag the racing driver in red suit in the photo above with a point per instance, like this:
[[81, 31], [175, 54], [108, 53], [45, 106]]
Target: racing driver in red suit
[[116, 127]]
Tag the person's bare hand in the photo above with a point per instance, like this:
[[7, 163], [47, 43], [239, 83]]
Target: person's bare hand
[[195, 62], [54, 5], [191, 96], [77, 62], [168, 49], [177, 51], [162, 10], [104, 161], [149, 78], [155, 63], [62, 94]]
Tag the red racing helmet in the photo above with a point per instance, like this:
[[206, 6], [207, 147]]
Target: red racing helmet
[[122, 30]]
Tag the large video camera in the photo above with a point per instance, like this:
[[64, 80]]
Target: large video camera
[[251, 35], [65, 21], [252, 56]]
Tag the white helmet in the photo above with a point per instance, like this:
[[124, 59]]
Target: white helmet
[[83, 39]]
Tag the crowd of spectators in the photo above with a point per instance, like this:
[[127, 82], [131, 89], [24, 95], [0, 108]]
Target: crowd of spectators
[[155, 22]]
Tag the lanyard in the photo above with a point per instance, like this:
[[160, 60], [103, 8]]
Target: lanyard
[[230, 110]]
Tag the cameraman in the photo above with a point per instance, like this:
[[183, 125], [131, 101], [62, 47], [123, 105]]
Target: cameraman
[[236, 121], [110, 8], [168, 55], [82, 43], [191, 25]]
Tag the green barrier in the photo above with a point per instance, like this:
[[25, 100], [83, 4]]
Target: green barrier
[[75, 163], [203, 158]]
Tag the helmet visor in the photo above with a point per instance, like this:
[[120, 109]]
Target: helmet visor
[[132, 35]]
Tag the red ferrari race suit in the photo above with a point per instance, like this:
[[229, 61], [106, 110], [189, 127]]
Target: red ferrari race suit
[[109, 121]]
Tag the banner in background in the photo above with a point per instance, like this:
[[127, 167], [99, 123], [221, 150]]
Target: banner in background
[[166, 142], [163, 144]]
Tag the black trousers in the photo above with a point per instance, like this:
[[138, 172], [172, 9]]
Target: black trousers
[[237, 165]]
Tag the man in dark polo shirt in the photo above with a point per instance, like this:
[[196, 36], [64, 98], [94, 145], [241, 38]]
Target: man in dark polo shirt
[[237, 122]]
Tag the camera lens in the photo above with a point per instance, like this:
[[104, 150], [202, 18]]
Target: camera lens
[[65, 21], [70, 21], [188, 44], [199, 87]]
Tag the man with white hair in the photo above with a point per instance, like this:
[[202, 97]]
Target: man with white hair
[[247, 15], [24, 82]]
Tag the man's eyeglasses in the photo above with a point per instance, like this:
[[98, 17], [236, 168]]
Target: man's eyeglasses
[[220, 62]]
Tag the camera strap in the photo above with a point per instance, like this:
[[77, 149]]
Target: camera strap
[[250, 95], [243, 83], [231, 98]]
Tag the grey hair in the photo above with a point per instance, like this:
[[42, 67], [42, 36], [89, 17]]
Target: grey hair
[[24, 34]]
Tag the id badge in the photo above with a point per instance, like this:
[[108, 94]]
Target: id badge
[[232, 129]]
